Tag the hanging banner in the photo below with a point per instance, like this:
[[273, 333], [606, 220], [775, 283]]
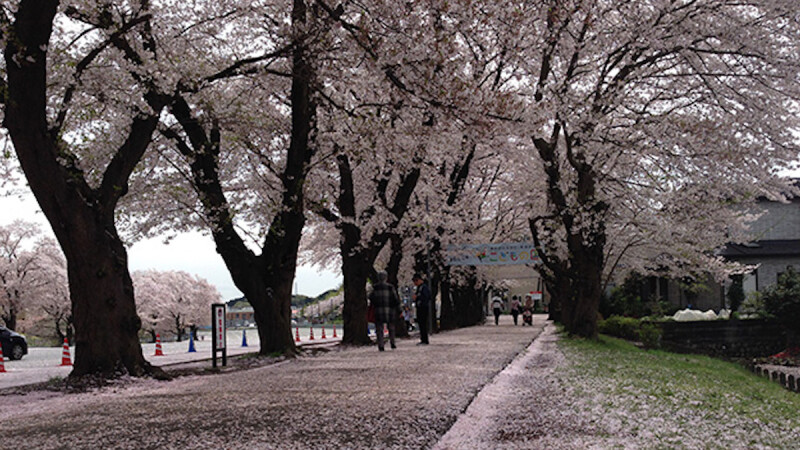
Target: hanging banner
[[492, 254]]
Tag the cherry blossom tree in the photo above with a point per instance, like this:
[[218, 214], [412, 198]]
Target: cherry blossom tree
[[279, 150], [80, 121], [414, 108], [52, 299], [365, 214], [671, 105], [33, 279], [20, 269], [172, 301]]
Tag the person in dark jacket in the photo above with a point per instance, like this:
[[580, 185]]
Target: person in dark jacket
[[386, 302], [423, 301]]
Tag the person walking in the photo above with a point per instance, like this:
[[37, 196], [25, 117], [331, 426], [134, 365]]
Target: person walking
[[515, 307], [423, 300], [386, 302], [497, 308]]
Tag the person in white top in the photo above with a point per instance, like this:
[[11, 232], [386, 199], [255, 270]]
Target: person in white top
[[497, 307]]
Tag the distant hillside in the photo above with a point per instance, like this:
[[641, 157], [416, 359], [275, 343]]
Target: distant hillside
[[298, 301]]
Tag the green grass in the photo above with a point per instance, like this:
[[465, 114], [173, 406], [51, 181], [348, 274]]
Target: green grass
[[684, 395]]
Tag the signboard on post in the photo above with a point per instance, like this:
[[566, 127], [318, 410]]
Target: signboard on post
[[218, 333], [492, 254], [536, 295]]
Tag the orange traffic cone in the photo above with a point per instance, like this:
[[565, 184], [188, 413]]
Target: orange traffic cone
[[311, 337], [65, 359], [323, 333], [334, 331], [297, 334], [2, 366], [158, 346]]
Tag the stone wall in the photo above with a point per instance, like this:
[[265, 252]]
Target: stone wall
[[728, 338]]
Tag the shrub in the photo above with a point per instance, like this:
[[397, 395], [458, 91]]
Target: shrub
[[621, 327], [628, 300], [650, 335], [624, 300], [782, 300], [753, 307]]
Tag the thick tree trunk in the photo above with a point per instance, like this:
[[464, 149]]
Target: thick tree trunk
[[273, 325], [468, 308], [358, 258], [267, 289], [558, 288], [422, 262], [448, 318], [586, 262], [82, 217], [393, 271], [10, 318], [355, 271], [575, 282], [103, 308], [277, 329]]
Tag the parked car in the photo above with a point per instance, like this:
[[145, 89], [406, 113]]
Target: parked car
[[14, 344]]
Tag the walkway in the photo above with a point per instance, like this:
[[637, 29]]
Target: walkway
[[44, 363], [351, 398]]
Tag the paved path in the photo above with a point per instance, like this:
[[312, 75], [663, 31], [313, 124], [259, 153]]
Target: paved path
[[345, 398], [44, 363], [490, 420]]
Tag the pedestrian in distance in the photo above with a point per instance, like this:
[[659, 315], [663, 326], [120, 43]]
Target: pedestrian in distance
[[527, 311], [386, 302], [497, 308], [423, 301], [515, 307]]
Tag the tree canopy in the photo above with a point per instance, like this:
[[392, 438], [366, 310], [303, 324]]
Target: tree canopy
[[618, 136]]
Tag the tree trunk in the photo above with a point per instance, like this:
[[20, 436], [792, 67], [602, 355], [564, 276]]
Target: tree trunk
[[178, 329], [274, 328], [467, 303], [355, 271], [103, 307], [10, 318], [423, 261], [586, 261], [82, 217], [393, 270], [60, 335], [558, 289], [277, 331], [448, 319]]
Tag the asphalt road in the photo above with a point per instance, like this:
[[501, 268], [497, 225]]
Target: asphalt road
[[44, 363]]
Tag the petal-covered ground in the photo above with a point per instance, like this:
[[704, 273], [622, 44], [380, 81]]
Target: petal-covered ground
[[345, 398], [483, 387], [574, 394]]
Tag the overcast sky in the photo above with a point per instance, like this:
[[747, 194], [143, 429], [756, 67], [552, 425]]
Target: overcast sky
[[190, 252]]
